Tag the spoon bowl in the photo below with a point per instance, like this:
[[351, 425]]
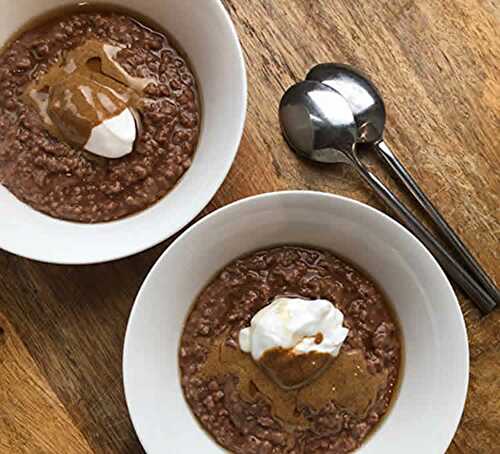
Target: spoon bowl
[[363, 97], [312, 128]]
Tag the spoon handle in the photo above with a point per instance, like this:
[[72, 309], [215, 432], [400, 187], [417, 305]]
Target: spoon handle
[[476, 293], [448, 233]]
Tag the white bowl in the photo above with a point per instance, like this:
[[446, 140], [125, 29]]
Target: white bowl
[[433, 388], [207, 35]]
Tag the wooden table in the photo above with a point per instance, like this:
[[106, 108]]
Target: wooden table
[[437, 64]]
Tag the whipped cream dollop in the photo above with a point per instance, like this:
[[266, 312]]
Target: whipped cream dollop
[[114, 137], [300, 325]]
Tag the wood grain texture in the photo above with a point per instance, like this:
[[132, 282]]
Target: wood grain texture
[[436, 63], [30, 413]]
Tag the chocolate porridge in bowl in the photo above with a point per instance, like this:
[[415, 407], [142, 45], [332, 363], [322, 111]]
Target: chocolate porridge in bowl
[[290, 350], [99, 114]]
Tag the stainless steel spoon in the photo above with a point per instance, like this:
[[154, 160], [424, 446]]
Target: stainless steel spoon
[[316, 131], [368, 108]]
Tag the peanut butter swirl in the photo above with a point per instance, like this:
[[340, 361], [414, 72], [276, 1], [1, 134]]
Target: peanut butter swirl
[[87, 87], [346, 381]]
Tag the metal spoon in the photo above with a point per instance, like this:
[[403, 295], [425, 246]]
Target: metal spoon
[[316, 131], [369, 112]]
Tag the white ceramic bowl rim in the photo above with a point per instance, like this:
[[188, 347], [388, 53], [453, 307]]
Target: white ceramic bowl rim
[[454, 408], [198, 27]]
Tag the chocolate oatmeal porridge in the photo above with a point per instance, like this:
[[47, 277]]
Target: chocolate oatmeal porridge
[[99, 115], [240, 402]]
